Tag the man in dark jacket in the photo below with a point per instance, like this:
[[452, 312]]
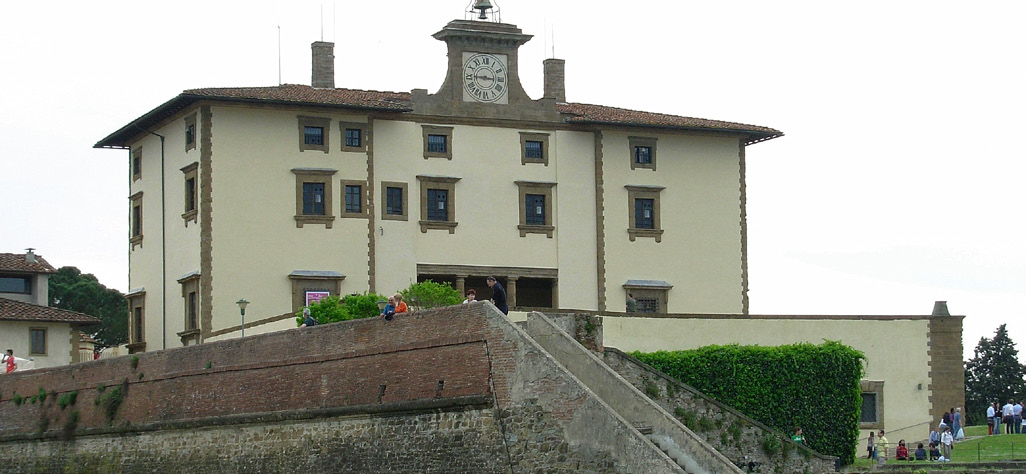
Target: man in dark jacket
[[498, 295]]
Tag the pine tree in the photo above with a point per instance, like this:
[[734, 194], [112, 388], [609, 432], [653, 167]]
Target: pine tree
[[72, 290], [994, 374]]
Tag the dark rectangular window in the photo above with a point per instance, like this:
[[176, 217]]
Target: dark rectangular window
[[190, 134], [533, 149], [643, 217], [190, 322], [353, 202], [353, 138], [648, 305], [437, 144], [136, 220], [16, 284], [394, 198], [438, 205], [313, 199], [37, 341], [534, 206], [643, 155], [868, 407], [136, 165], [190, 194], [138, 324], [313, 135]]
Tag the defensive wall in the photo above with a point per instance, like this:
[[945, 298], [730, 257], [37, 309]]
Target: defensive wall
[[458, 389]]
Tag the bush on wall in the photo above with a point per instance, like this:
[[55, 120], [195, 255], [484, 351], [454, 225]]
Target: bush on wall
[[815, 387], [333, 310]]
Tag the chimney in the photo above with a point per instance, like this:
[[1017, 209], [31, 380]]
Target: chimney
[[323, 76], [555, 84], [29, 256], [940, 308]]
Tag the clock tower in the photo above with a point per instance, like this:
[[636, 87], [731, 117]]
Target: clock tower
[[482, 79]]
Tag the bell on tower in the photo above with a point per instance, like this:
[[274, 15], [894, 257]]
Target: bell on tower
[[481, 9]]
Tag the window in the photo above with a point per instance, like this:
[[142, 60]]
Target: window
[[536, 203], [355, 136], [37, 341], [872, 405], [136, 322], [534, 148], [136, 220], [304, 281], [190, 295], [16, 284], [355, 201], [652, 296], [643, 152], [191, 308], [191, 193], [190, 132], [437, 142], [394, 196], [437, 203], [643, 219], [137, 164], [313, 133], [314, 196]]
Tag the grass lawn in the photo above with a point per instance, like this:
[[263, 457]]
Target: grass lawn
[[977, 448]]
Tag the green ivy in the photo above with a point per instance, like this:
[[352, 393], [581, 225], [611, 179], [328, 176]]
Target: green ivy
[[815, 387]]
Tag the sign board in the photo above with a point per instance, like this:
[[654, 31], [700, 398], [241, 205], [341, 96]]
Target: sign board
[[315, 296]]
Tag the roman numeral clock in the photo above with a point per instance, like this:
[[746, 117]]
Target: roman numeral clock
[[485, 78]]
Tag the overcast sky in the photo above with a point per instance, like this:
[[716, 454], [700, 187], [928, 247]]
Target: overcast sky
[[896, 185]]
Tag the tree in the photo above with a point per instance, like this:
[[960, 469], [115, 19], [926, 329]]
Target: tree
[[994, 374], [70, 289], [428, 294]]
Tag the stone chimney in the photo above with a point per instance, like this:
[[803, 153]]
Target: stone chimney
[[555, 84], [940, 308], [323, 76], [29, 256]]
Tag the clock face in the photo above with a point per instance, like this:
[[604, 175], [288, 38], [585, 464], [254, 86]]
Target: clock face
[[485, 78]]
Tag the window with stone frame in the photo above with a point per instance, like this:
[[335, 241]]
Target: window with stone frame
[[534, 148], [190, 132], [37, 341], [137, 321], [394, 196], [643, 214], [643, 152], [313, 133], [136, 222], [314, 196], [191, 193], [190, 297], [136, 162], [536, 208], [652, 296], [437, 142], [354, 136], [438, 203], [354, 198], [872, 417]]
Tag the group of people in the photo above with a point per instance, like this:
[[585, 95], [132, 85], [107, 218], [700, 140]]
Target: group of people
[[498, 295], [941, 441], [1010, 415]]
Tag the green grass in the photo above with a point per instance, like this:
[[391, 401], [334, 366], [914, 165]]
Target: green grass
[[982, 448]]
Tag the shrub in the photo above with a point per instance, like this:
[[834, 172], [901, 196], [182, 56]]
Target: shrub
[[428, 294], [332, 309], [812, 386], [771, 445], [651, 389]]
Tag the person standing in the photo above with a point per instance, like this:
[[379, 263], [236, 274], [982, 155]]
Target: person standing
[[956, 424], [870, 448], [632, 304], [946, 440], [498, 295], [1017, 418], [996, 411], [9, 360], [1006, 416], [881, 448], [946, 419], [471, 296]]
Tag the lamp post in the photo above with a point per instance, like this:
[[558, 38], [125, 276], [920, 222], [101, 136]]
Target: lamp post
[[242, 309], [382, 303]]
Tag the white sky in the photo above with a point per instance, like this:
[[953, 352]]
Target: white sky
[[896, 183]]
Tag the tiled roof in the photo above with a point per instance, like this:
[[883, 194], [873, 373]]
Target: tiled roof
[[11, 310], [399, 101], [588, 113], [15, 262]]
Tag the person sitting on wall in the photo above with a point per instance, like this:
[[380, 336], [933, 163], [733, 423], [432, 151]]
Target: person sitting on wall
[[901, 453], [389, 311], [921, 453]]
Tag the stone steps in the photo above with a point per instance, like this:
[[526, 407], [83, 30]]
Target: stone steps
[[674, 451]]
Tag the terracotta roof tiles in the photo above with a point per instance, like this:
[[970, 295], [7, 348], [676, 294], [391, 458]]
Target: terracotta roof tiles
[[15, 262], [399, 101], [588, 113], [11, 310]]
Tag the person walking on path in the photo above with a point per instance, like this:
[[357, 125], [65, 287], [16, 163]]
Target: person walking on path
[[956, 424], [498, 295]]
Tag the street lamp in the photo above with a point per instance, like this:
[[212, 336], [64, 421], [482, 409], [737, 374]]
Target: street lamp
[[382, 303], [242, 309]]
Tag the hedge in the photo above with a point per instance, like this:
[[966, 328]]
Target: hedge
[[815, 387]]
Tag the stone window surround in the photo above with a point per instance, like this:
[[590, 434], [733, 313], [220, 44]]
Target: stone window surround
[[190, 284], [137, 342], [190, 172], [364, 199], [642, 141], [135, 220], [384, 201], [312, 280], [190, 120], [32, 330], [875, 387], [314, 175], [135, 163], [438, 182], [646, 289], [436, 130], [362, 127], [307, 121], [536, 187], [644, 192], [536, 137]]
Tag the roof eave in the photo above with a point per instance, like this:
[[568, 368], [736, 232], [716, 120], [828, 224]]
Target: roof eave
[[755, 136]]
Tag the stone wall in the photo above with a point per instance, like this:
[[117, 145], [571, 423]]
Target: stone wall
[[457, 389]]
